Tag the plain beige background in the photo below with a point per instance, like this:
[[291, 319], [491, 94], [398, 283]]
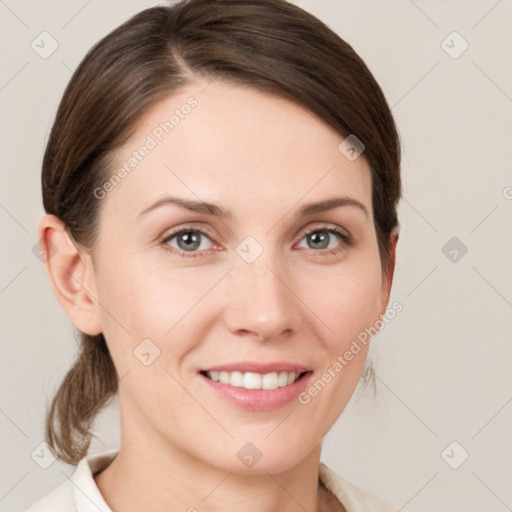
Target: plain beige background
[[443, 364]]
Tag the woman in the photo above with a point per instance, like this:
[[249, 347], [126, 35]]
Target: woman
[[221, 185]]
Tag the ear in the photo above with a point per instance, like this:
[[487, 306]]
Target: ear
[[71, 274], [388, 271]]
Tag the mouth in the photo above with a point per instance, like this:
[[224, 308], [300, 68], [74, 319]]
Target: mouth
[[254, 380], [256, 386]]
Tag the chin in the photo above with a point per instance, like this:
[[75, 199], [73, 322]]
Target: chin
[[262, 456]]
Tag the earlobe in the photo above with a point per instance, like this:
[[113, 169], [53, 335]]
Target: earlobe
[[71, 274]]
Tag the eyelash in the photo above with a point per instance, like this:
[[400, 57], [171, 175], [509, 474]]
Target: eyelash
[[347, 240]]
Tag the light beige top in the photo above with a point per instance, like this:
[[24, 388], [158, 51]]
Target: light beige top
[[81, 494]]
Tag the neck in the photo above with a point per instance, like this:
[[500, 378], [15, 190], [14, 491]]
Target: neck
[[157, 477]]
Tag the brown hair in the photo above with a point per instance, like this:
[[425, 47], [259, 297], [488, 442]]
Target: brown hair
[[271, 45]]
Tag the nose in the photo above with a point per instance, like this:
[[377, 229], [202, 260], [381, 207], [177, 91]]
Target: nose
[[261, 302]]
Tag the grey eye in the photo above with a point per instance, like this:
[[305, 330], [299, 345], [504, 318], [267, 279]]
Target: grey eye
[[188, 240]]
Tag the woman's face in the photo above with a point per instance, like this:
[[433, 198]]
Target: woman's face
[[248, 287]]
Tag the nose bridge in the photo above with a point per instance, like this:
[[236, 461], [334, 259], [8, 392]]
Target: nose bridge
[[259, 299]]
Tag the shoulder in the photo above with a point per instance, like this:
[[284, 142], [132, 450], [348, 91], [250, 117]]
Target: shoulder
[[351, 497], [59, 499], [80, 492]]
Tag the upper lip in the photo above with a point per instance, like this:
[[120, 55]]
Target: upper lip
[[263, 368]]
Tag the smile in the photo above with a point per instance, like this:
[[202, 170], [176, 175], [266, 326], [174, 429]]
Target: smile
[[257, 386], [252, 380]]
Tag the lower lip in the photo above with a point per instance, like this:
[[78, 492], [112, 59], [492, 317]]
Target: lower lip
[[259, 399]]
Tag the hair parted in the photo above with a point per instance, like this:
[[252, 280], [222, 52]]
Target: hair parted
[[270, 45]]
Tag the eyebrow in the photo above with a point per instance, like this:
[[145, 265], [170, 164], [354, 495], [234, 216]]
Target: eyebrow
[[216, 211]]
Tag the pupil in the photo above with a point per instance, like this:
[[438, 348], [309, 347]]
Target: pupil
[[320, 237], [190, 239]]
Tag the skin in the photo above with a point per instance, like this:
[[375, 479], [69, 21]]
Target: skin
[[262, 158]]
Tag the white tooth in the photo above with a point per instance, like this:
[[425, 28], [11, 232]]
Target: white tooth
[[269, 381], [291, 377], [237, 379], [282, 379], [252, 380]]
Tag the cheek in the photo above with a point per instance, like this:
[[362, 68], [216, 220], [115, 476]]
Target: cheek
[[347, 303], [160, 304]]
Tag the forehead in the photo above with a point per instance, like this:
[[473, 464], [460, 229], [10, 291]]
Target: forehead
[[238, 147]]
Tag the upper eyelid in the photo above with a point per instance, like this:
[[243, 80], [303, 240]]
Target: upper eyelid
[[172, 234], [326, 227]]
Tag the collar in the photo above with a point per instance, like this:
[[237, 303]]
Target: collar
[[88, 498]]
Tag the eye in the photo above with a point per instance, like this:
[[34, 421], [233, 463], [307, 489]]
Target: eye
[[327, 238], [188, 241]]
